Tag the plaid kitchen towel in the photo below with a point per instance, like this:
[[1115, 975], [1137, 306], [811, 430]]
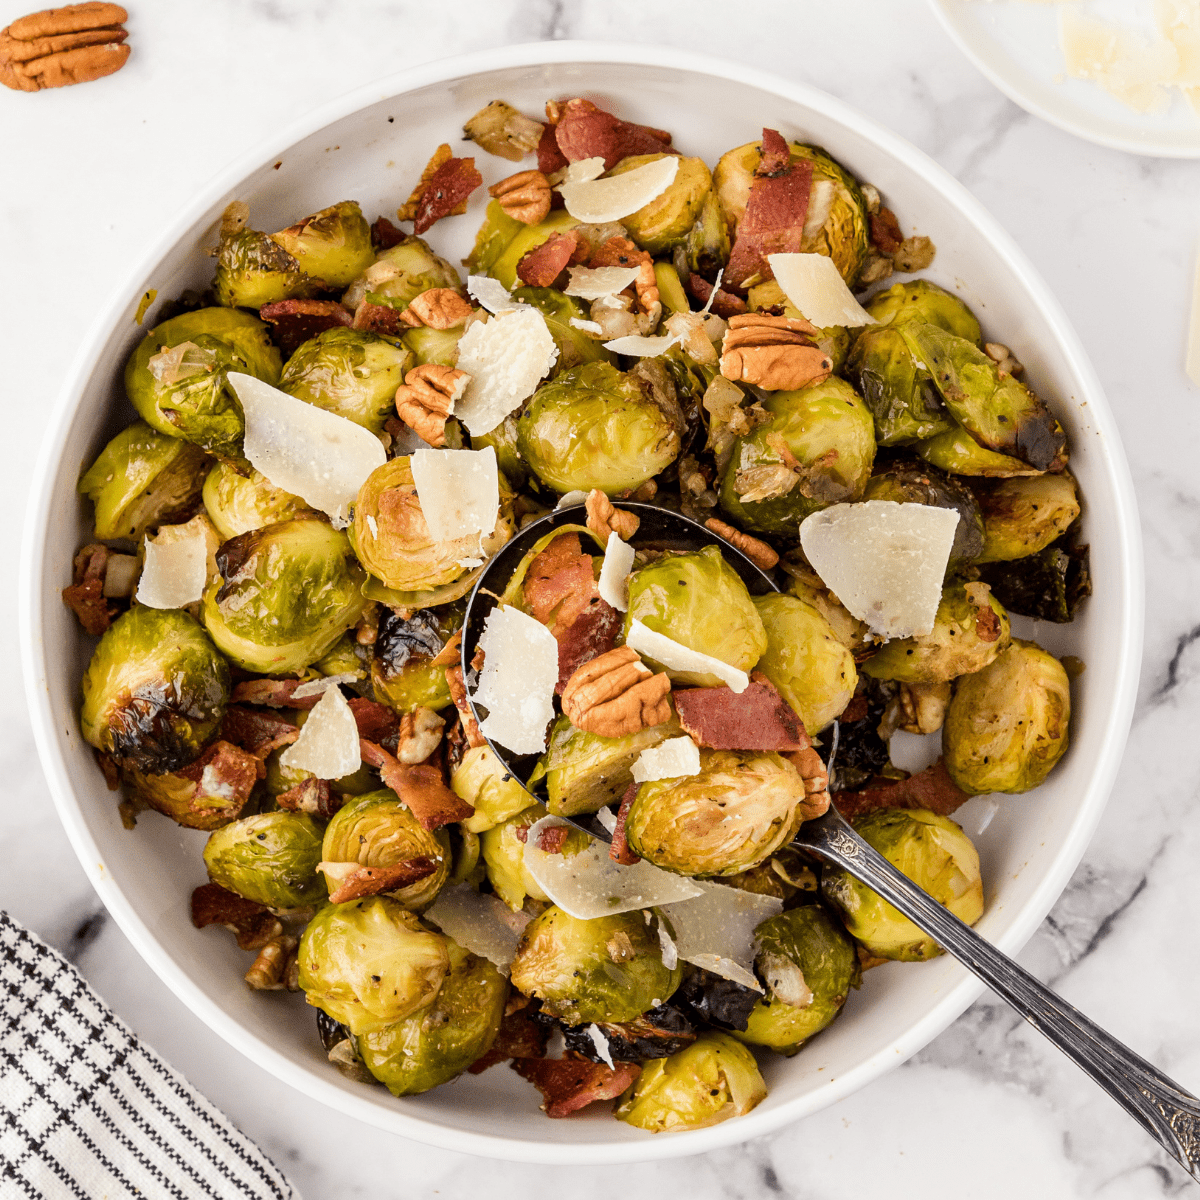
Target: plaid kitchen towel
[[88, 1111]]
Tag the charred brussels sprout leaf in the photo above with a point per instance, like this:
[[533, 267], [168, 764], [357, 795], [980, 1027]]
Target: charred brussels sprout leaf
[[574, 346], [1050, 585], [956, 451], [370, 963], [142, 479], [658, 1033], [1007, 725], [924, 301], [253, 270], [605, 969], [402, 670], [909, 482], [1023, 516], [483, 782], [239, 499], [155, 690], [399, 275], [903, 401], [333, 245], [665, 222], [716, 1000], [861, 752], [934, 853], [706, 246], [270, 859], [285, 595]]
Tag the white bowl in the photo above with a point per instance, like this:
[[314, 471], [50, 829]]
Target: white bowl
[[353, 149]]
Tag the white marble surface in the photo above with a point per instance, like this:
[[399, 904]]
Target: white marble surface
[[91, 174]]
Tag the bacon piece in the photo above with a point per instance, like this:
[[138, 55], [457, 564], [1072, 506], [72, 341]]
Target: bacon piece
[[420, 786], [569, 1084], [932, 789], [358, 881], [273, 693], [378, 318], [385, 235], [552, 840], [545, 263], [458, 693], [225, 772], [253, 924], [258, 733], [313, 796], [550, 157], [442, 190], [725, 305], [757, 719], [520, 1036], [856, 710], [886, 235], [561, 581], [85, 596], [773, 222], [987, 623], [619, 849], [591, 634], [585, 131], [295, 321], [376, 722]]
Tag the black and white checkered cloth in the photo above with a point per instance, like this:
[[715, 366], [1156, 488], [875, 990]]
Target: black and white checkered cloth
[[88, 1111]]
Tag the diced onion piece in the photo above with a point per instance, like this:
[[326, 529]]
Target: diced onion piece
[[492, 294], [459, 492], [815, 286], [672, 759], [599, 200], [884, 561], [328, 741], [590, 283], [516, 685], [677, 657], [316, 455], [618, 562], [636, 346], [482, 924], [584, 170], [570, 499], [176, 568], [318, 687]]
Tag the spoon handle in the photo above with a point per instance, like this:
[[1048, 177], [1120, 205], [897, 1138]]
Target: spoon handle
[[1169, 1114]]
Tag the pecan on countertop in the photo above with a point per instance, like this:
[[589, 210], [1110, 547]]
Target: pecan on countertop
[[61, 46]]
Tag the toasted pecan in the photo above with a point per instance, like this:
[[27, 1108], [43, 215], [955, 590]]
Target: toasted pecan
[[603, 518], [773, 353], [426, 398], [524, 196], [757, 551], [616, 694], [62, 46]]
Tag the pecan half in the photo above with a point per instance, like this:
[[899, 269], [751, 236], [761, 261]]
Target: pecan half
[[269, 972], [604, 518], [438, 308], [525, 196], [758, 552], [816, 783], [426, 399], [420, 734], [62, 46], [773, 353], [616, 694]]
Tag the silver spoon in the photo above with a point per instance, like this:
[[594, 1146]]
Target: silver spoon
[[1169, 1114]]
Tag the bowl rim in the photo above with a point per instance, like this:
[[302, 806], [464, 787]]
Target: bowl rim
[[956, 998]]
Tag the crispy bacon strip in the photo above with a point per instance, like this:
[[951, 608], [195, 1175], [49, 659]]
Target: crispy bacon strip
[[520, 1036], [85, 596], [592, 633], [757, 719], [420, 786], [569, 1084], [313, 796], [619, 849], [442, 191], [256, 732], [545, 263], [370, 881], [458, 693], [585, 131], [932, 789], [886, 235], [385, 235], [376, 722], [253, 924], [561, 581], [378, 318], [225, 772], [773, 222], [725, 305], [273, 693], [295, 321], [552, 840]]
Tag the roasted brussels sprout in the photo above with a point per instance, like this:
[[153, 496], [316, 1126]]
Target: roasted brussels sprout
[[503, 849], [504, 439], [370, 963], [714, 1079], [969, 631], [438, 1042], [1023, 516], [333, 245], [177, 377], [252, 270], [805, 584], [815, 450], [525, 238], [1049, 585], [434, 345], [670, 289], [379, 830], [956, 451], [347, 657], [920, 300], [495, 235], [238, 499], [349, 372], [605, 969], [809, 666], [736, 812], [666, 221], [934, 853], [1007, 725], [809, 966], [155, 690], [706, 248], [270, 859], [402, 670], [595, 427], [399, 275], [392, 539], [574, 346], [286, 594], [899, 392], [282, 779], [482, 781], [657, 1033], [700, 601]]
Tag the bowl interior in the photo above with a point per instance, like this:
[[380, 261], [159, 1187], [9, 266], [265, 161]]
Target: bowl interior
[[372, 151]]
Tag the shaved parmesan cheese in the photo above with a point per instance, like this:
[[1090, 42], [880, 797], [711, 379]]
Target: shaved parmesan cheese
[[570, 500], [482, 924], [176, 568], [328, 741], [677, 657], [459, 491], [670, 952], [318, 687], [607, 819], [1193, 346], [598, 200], [815, 286], [506, 358], [316, 455], [584, 170], [601, 1044], [884, 561], [492, 294], [727, 968], [587, 326], [672, 759], [516, 685], [637, 346], [589, 884], [618, 562], [590, 283], [1127, 65]]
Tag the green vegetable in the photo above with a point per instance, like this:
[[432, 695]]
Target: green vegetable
[[1049, 585], [1023, 516], [924, 301], [481, 780], [399, 275], [666, 221], [333, 245], [403, 673], [253, 270], [270, 859], [503, 849], [239, 499]]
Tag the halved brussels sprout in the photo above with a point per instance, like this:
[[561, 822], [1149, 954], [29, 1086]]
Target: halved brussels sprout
[[815, 450], [605, 969], [809, 666], [333, 245], [285, 596], [402, 673], [965, 638], [935, 854], [370, 963], [712, 1080], [1008, 724], [805, 584], [706, 248], [574, 346], [904, 403], [142, 479], [252, 270], [391, 537], [503, 849], [495, 235], [379, 830], [399, 275], [924, 301], [270, 859], [670, 290], [440, 1041], [956, 451], [736, 812], [434, 345], [526, 238], [155, 690], [238, 498], [809, 966], [1023, 516], [483, 782], [349, 372], [665, 222], [596, 427], [282, 779], [177, 377], [700, 601]]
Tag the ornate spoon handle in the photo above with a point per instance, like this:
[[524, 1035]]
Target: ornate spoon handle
[[1168, 1113]]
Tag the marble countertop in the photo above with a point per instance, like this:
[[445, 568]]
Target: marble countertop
[[987, 1110]]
